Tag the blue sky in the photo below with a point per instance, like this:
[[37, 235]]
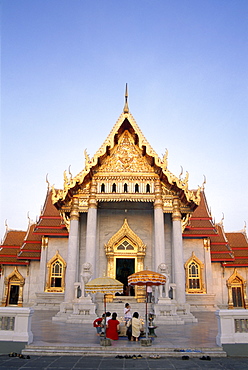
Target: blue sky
[[64, 66]]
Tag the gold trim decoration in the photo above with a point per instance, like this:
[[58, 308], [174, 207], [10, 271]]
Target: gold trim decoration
[[236, 281], [126, 162], [74, 215], [185, 221], [66, 219], [199, 276], [125, 233], [50, 264], [44, 242], [93, 191], [158, 203], [15, 278], [126, 157], [176, 214], [206, 243]]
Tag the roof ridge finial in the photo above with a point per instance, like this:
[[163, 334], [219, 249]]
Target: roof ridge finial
[[126, 109]]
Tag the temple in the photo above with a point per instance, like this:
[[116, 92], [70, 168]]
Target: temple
[[123, 213]]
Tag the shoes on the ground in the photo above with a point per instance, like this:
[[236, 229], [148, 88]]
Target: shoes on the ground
[[207, 358], [155, 356], [185, 357]]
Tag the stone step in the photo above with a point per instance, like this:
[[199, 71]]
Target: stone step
[[33, 350], [118, 307]]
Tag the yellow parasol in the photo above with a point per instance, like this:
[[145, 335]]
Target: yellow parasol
[[147, 278], [105, 285]]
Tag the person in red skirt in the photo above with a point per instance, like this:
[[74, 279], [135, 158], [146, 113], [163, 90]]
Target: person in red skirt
[[113, 327]]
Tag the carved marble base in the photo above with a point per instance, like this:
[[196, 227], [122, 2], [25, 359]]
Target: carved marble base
[[48, 301], [164, 301], [82, 311], [183, 311], [105, 342], [146, 342], [201, 302], [169, 312]]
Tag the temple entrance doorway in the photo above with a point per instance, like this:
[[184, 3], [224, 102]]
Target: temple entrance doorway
[[237, 291], [13, 295], [237, 297], [124, 268], [13, 292], [125, 253]]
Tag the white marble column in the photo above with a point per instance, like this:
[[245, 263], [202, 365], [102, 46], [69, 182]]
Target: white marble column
[[177, 253], [91, 229], [43, 264], [159, 239], [72, 253], [208, 268]]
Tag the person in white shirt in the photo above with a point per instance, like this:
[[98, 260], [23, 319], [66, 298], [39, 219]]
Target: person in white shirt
[[149, 294], [127, 313]]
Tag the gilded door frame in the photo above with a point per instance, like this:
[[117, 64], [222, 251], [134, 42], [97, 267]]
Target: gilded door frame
[[236, 280], [15, 278], [138, 252]]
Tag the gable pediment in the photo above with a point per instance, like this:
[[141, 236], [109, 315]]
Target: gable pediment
[[126, 153], [125, 157]]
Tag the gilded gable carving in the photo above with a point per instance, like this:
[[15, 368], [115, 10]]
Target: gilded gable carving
[[126, 157], [125, 232]]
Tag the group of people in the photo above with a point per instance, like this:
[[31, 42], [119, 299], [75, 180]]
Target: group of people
[[132, 323]]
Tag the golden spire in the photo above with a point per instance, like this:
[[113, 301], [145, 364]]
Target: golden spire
[[126, 109]]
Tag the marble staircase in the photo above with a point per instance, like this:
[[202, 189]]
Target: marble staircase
[[135, 349]]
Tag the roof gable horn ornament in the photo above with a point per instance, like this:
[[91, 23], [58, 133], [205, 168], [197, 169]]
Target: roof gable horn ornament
[[126, 109], [47, 181], [222, 220], [6, 225], [203, 184]]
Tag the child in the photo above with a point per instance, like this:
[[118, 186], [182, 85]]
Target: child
[[127, 313], [98, 325]]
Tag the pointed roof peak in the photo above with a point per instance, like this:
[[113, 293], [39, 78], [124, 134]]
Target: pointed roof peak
[[126, 108]]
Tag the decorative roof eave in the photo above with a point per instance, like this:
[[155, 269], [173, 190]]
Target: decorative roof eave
[[233, 264], [59, 196], [19, 263]]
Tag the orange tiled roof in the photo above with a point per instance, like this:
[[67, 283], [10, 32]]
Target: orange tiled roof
[[10, 247], [239, 244], [31, 246], [201, 223], [21, 245], [13, 237], [50, 222], [220, 248]]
